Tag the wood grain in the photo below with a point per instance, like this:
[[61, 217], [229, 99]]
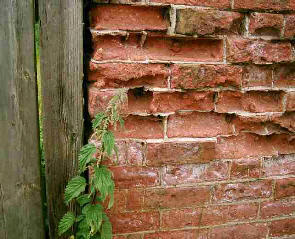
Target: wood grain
[[20, 184], [62, 78]]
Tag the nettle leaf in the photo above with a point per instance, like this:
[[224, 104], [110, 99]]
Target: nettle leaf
[[106, 228], [83, 199], [93, 215], [66, 223], [108, 141], [98, 120], [104, 183], [85, 156], [75, 186], [83, 230]]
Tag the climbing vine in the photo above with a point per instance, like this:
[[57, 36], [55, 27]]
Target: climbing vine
[[92, 221]]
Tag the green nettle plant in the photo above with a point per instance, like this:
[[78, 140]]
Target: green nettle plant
[[92, 222]]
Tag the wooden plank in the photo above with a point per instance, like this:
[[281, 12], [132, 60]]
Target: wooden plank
[[62, 78], [20, 184]]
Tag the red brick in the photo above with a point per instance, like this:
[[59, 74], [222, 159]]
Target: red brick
[[130, 153], [266, 24], [197, 124], [285, 188], [290, 26], [134, 236], [98, 100], [135, 199], [282, 227], [284, 143], [279, 165], [216, 215], [290, 106], [199, 76], [119, 202], [171, 102], [119, 237], [245, 168], [129, 177], [176, 197], [188, 234], [245, 145], [156, 47], [207, 22], [254, 75], [207, 3], [141, 127], [278, 208], [251, 101], [247, 124], [159, 154], [179, 218], [241, 191], [134, 222], [257, 51], [116, 75], [265, 4], [287, 121], [244, 231], [284, 76], [124, 17], [189, 174]]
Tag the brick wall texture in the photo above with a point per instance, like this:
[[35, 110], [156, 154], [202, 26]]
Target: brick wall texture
[[208, 149]]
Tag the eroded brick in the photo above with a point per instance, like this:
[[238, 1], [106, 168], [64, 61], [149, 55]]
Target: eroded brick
[[284, 76], [241, 191], [285, 188], [277, 208], [124, 17], [245, 231], [266, 24], [129, 177], [159, 154], [282, 227], [179, 218], [265, 4], [116, 75], [198, 124], [245, 168], [141, 127], [251, 101], [208, 3], [156, 47], [176, 197], [207, 22], [254, 75], [290, 26], [199, 76], [257, 51], [189, 174], [134, 222]]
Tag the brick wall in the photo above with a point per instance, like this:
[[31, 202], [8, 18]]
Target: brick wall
[[208, 149]]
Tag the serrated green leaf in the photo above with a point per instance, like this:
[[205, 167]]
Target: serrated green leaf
[[75, 186], [93, 215], [104, 183], [66, 223], [80, 218], [108, 141], [106, 228], [85, 156], [83, 199], [98, 120], [83, 230]]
